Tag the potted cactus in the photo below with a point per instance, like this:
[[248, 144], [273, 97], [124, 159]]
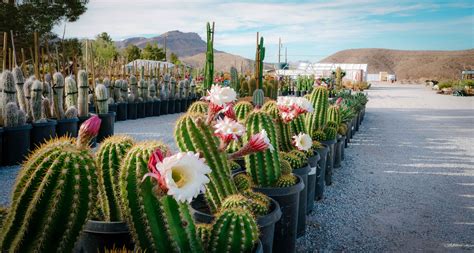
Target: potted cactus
[[66, 120], [132, 106], [172, 104], [120, 97], [109, 85], [164, 95], [108, 118], [16, 132], [334, 117], [43, 129], [153, 92]]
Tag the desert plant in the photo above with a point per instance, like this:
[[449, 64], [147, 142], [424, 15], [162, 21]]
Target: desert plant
[[297, 125], [242, 110], [101, 99], [133, 96], [19, 81], [317, 119], [142, 86], [82, 106], [58, 96], [36, 103], [257, 98], [234, 80], [198, 107], [209, 66], [71, 92], [282, 128], [334, 115]]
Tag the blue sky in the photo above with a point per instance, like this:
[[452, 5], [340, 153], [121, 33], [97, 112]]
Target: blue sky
[[310, 30]]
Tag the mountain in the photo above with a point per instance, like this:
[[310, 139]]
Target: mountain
[[407, 64]]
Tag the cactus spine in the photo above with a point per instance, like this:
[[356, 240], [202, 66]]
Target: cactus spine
[[317, 119], [234, 230], [36, 104], [58, 94], [257, 98], [209, 67], [192, 134], [53, 197], [242, 110], [283, 129], [297, 126], [263, 167], [334, 115], [234, 80], [198, 107], [71, 92], [101, 98], [19, 81], [158, 224], [83, 108]]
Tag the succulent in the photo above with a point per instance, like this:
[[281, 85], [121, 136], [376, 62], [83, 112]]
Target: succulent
[[133, 96], [110, 93], [332, 124], [58, 95], [200, 107], [204, 232], [152, 89], [242, 110], [13, 116], [233, 165], [83, 85], [71, 113], [54, 195], [243, 182], [317, 119], [108, 159], [295, 161], [285, 166], [263, 167], [259, 57], [143, 86], [342, 129], [157, 223], [330, 133], [234, 80], [209, 65], [319, 135], [192, 134], [36, 103], [165, 88], [234, 230], [283, 129], [297, 125], [27, 91], [46, 113], [19, 81], [286, 181], [124, 91], [302, 156], [71, 92], [101, 99], [9, 88], [257, 98], [236, 201], [117, 91]]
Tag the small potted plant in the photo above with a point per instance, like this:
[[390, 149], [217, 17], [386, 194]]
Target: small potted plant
[[132, 106], [108, 118]]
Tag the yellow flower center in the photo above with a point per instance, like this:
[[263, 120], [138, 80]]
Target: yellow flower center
[[178, 176]]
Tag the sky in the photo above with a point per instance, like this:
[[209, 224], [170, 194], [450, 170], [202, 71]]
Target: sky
[[310, 30]]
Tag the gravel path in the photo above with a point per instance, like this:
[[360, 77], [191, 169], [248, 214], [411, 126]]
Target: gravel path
[[407, 183]]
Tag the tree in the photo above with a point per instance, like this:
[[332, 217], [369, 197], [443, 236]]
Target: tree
[[104, 49], [174, 59], [105, 37], [153, 52], [132, 52]]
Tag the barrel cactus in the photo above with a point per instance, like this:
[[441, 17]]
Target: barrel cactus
[[198, 107], [242, 109], [317, 119], [286, 180], [258, 98]]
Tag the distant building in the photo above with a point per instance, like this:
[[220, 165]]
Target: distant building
[[149, 63], [354, 72]]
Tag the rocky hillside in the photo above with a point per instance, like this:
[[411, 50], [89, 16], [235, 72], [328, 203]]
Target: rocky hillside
[[409, 65]]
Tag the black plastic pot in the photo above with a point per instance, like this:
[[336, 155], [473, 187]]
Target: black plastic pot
[[313, 164], [171, 106], [321, 172], [164, 107], [1, 144], [303, 173], [16, 144], [97, 236], [91, 108], [188, 103], [93, 142], [141, 111], [177, 105], [113, 107], [343, 148], [132, 110], [121, 112], [338, 152], [330, 160], [149, 109], [241, 162], [42, 132], [67, 127], [348, 134], [106, 126], [357, 120], [201, 214], [184, 104], [285, 229], [156, 108]]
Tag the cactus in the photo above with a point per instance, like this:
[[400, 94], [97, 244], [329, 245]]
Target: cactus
[[53, 197], [192, 89], [46, 113], [71, 92], [9, 89], [297, 126], [317, 119], [204, 232], [236, 201], [152, 89], [234, 165], [108, 159], [258, 98], [133, 96], [319, 135], [286, 181], [143, 86], [260, 55], [173, 85], [283, 129], [27, 91], [294, 161], [234, 80], [209, 66], [117, 91], [180, 93], [234, 230], [199, 107], [332, 124], [334, 115], [10, 115], [19, 81], [285, 167], [339, 76], [58, 95], [101, 98], [164, 94], [71, 113], [192, 134], [342, 129], [109, 88], [301, 155], [47, 92], [82, 106], [330, 133], [124, 91], [157, 223], [242, 181], [263, 167], [242, 110], [36, 104]]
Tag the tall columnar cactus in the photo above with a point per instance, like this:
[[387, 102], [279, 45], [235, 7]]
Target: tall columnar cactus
[[82, 105], [13, 116], [165, 88], [209, 67], [54, 195], [19, 81], [152, 89], [297, 125], [173, 86], [263, 167], [318, 118], [133, 96], [8, 86], [36, 104], [108, 159], [27, 91], [71, 92], [260, 55], [334, 115], [101, 98], [234, 80], [110, 93], [143, 86], [58, 96], [282, 128], [200, 107], [117, 91], [181, 89], [193, 134], [157, 224], [124, 91], [234, 230], [258, 98], [339, 76], [242, 110], [187, 88]]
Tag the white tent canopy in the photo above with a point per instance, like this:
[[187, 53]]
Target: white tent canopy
[[154, 64], [325, 70]]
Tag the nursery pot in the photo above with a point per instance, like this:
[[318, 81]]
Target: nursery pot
[[189, 101], [132, 110], [348, 135], [177, 105], [67, 127], [156, 108], [141, 111], [1, 144], [241, 162], [113, 107], [201, 214], [42, 132], [313, 164], [16, 144], [303, 173], [164, 107], [357, 122], [149, 109], [321, 172], [106, 126], [184, 104], [171, 106], [93, 142], [121, 112], [285, 229], [338, 152], [100, 235], [343, 147], [330, 160], [91, 108]]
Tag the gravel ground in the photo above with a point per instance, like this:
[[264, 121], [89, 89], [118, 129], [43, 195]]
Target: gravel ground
[[407, 183]]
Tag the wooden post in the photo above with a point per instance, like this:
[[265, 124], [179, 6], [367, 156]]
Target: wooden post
[[14, 52], [43, 66], [36, 55], [4, 51], [23, 63]]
